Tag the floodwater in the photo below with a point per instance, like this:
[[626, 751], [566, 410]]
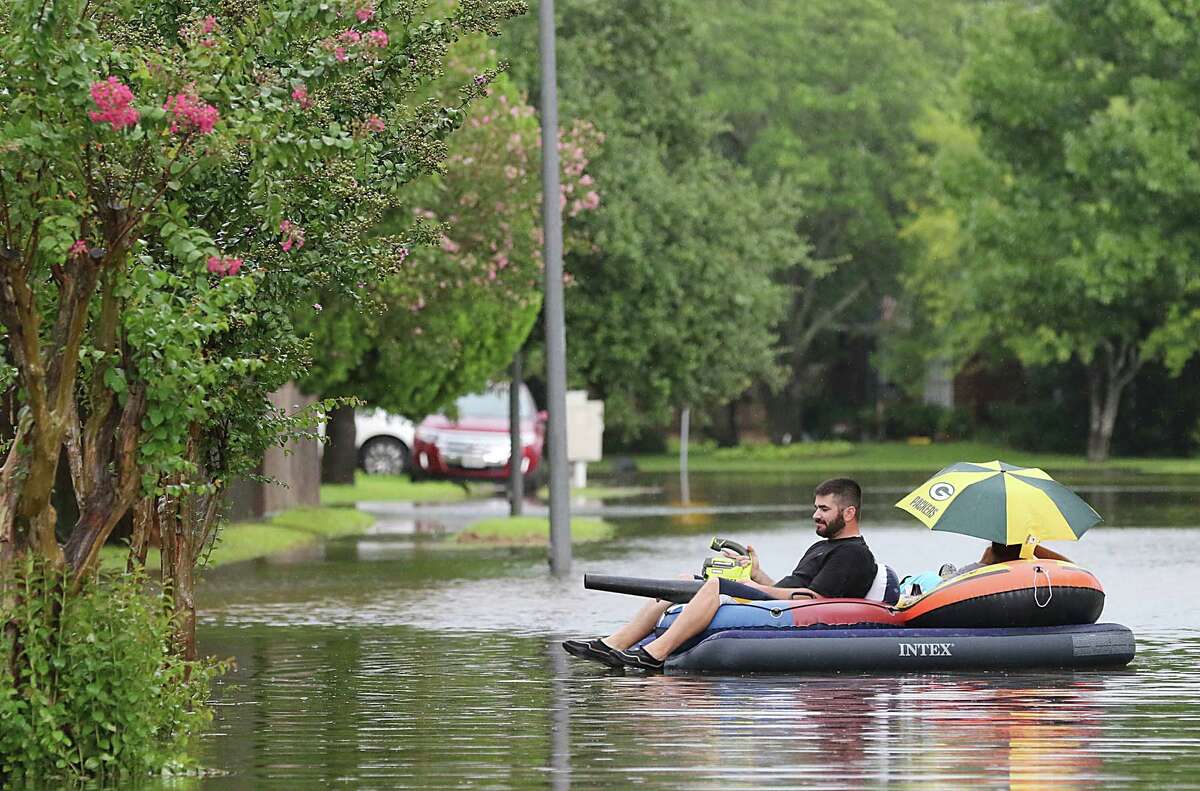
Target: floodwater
[[386, 661]]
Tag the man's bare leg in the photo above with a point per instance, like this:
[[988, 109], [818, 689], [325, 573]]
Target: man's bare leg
[[642, 624], [696, 616]]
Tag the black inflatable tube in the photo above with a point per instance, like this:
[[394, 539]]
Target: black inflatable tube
[[678, 591], [831, 650], [1023, 607]]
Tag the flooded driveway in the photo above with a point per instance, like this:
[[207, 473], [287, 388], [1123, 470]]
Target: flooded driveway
[[387, 661]]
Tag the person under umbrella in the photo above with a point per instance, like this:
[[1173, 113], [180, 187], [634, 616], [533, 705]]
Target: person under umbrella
[[1013, 507]]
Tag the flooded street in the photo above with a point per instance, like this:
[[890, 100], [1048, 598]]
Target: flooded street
[[387, 661]]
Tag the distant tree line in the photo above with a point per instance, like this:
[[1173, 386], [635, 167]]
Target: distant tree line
[[802, 210]]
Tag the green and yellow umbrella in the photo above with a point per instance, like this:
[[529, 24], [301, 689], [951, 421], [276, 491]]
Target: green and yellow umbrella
[[1000, 502]]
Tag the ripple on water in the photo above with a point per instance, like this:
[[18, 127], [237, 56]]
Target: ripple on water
[[368, 672], [401, 707]]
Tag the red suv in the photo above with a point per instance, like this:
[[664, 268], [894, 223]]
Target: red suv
[[476, 445]]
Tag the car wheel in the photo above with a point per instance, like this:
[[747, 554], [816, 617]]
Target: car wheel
[[384, 456]]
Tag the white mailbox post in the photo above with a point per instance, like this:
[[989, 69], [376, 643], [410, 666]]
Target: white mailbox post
[[585, 434]]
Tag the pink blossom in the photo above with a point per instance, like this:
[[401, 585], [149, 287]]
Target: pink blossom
[[300, 94], [449, 245], [79, 248], [510, 172], [419, 305], [375, 123], [591, 200], [339, 53], [365, 14], [200, 31], [191, 113], [377, 38], [403, 254], [293, 236], [317, 307], [585, 180], [218, 265], [350, 36], [112, 98]]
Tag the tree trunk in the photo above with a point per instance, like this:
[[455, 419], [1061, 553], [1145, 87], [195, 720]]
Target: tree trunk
[[341, 458], [178, 549], [145, 532], [185, 526], [105, 472], [723, 425], [1108, 374]]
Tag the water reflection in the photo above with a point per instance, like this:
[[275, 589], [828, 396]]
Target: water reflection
[[387, 662], [406, 708]]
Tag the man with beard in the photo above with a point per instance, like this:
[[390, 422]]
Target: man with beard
[[838, 566]]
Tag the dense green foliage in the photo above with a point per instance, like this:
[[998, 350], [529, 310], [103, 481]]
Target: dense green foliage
[[175, 186], [674, 303], [228, 167], [821, 98], [1065, 226], [452, 315], [89, 685]]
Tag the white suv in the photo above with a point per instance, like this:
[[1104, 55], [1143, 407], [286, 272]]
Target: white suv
[[384, 441]]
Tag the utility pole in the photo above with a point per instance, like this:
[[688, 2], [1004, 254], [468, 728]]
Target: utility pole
[[685, 492], [556, 334], [516, 480]]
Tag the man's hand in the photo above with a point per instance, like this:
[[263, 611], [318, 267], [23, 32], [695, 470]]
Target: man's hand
[[751, 560]]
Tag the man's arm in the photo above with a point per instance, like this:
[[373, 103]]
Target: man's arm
[[756, 572], [785, 593], [762, 581], [1046, 553]]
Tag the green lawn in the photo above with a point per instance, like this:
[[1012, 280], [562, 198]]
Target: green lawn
[[398, 487], [249, 540], [527, 531], [603, 492], [886, 457]]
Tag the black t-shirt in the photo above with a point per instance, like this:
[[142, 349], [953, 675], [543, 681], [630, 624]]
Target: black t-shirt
[[835, 568]]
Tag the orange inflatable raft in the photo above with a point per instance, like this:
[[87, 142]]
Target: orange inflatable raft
[[1017, 593]]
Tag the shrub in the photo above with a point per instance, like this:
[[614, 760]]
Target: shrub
[[88, 685], [911, 418], [793, 452], [1043, 427]]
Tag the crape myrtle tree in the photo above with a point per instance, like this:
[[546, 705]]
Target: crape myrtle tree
[[673, 303], [174, 181], [452, 315], [1064, 226]]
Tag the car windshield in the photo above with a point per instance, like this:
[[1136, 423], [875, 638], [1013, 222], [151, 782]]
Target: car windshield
[[492, 402]]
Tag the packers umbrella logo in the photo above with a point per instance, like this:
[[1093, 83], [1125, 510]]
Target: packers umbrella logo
[[942, 491]]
